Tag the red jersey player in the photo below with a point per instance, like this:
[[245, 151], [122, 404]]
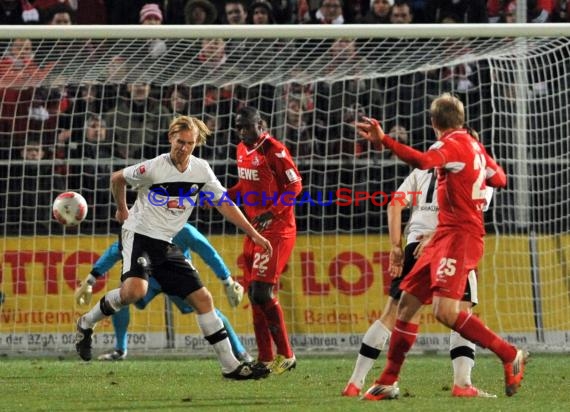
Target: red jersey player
[[464, 170], [268, 183]]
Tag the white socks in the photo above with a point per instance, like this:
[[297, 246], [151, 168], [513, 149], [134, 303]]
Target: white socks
[[112, 298], [462, 352], [214, 332], [372, 344]]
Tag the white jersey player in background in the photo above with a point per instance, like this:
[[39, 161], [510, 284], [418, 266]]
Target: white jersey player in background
[[168, 187], [420, 188]]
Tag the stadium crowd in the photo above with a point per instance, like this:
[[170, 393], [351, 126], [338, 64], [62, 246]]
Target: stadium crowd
[[81, 129], [274, 11]]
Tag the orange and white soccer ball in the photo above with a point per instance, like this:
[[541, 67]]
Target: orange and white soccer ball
[[70, 208]]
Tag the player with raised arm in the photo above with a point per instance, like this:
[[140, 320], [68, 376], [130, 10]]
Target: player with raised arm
[[188, 239], [420, 189], [464, 169], [168, 187], [268, 184]]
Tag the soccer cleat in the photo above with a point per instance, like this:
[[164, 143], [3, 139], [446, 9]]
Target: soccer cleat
[[115, 355], [514, 372], [379, 392], [247, 370], [282, 364], [244, 357], [470, 392], [83, 342], [351, 390]]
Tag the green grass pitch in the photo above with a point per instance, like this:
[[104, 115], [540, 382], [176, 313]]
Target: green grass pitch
[[171, 384]]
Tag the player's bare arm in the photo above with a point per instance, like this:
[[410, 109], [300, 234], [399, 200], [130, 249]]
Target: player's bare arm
[[119, 191], [395, 233], [234, 215]]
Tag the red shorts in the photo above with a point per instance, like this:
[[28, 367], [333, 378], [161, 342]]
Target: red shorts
[[444, 265], [259, 266]]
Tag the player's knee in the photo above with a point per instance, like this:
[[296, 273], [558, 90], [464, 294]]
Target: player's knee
[[201, 300], [260, 293], [445, 316]]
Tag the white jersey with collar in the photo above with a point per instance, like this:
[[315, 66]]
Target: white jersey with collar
[[166, 196], [423, 205]]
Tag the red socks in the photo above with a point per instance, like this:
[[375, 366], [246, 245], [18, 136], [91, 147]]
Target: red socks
[[262, 335], [276, 325], [471, 328], [402, 339], [269, 327]]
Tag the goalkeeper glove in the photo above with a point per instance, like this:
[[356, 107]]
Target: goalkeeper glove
[[84, 292], [234, 292]]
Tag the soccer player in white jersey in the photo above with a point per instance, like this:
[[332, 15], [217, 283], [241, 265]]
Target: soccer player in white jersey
[[168, 187], [420, 190]]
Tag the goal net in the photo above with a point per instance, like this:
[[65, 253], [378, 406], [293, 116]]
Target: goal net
[[78, 103]]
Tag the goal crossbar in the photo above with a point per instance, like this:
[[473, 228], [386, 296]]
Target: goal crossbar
[[290, 31]]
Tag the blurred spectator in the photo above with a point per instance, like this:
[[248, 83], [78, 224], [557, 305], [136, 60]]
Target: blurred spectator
[[339, 98], [150, 14], [200, 12], [395, 172], [419, 10], [18, 12], [83, 102], [23, 104], [92, 176], [459, 78], [282, 10], [562, 11], [401, 14], [302, 92], [178, 100], [260, 12], [234, 12], [462, 11], [538, 11], [400, 133], [212, 53], [31, 187], [379, 12], [329, 12], [59, 13], [140, 123], [298, 137], [510, 12]]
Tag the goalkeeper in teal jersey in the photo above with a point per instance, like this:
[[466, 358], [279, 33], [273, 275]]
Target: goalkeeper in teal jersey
[[188, 239]]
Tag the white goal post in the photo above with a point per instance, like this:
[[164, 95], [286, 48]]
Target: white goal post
[[78, 102]]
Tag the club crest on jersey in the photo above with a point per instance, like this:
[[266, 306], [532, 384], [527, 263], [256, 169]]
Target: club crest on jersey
[[139, 171], [255, 161], [175, 205]]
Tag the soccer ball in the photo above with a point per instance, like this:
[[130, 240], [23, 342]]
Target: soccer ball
[[69, 208]]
